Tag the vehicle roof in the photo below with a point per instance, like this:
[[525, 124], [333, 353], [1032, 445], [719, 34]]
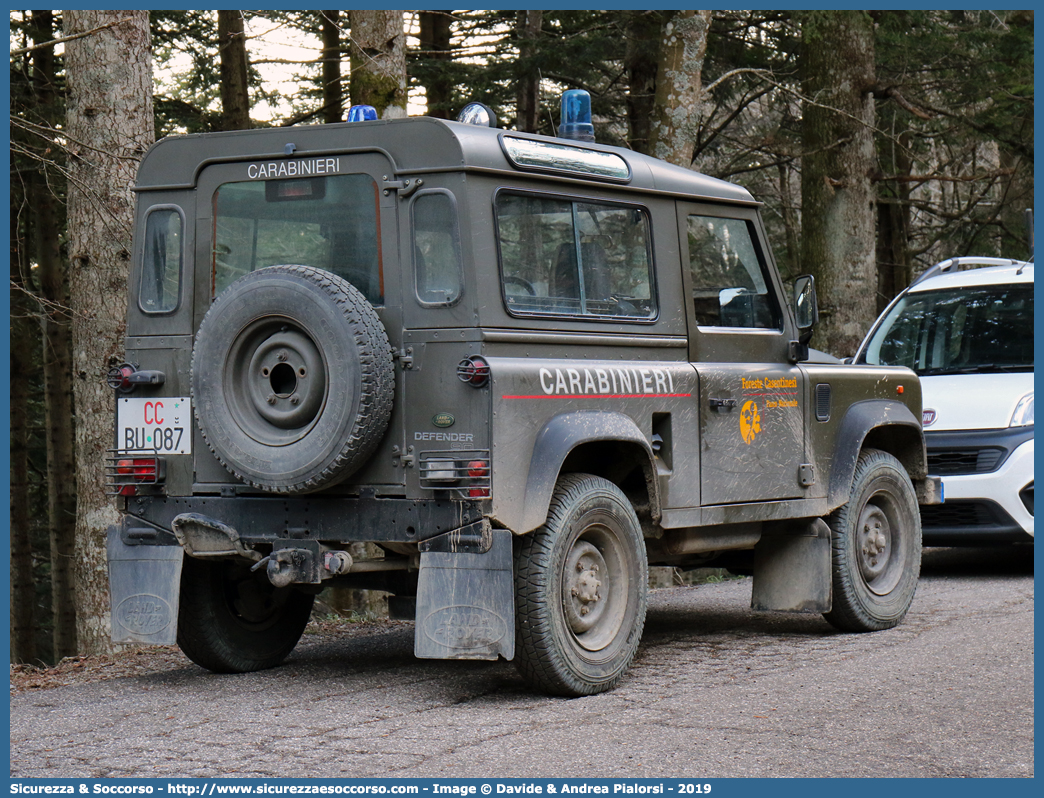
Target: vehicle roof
[[1015, 272], [415, 144]]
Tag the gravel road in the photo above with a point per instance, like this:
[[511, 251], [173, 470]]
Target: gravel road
[[717, 691]]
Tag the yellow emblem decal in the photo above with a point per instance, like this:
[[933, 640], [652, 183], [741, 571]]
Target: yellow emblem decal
[[750, 422]]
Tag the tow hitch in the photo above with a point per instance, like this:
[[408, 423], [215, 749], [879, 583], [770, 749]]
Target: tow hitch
[[308, 562]]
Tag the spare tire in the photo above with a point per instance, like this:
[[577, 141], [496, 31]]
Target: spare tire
[[292, 379]]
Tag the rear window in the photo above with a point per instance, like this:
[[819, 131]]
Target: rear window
[[161, 261], [965, 330], [437, 267], [562, 257], [329, 222]]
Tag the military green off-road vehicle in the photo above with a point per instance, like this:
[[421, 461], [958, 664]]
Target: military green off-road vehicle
[[526, 368]]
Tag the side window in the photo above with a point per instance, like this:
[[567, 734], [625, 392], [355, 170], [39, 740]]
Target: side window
[[571, 258], [729, 283], [328, 222], [161, 261], [437, 265]]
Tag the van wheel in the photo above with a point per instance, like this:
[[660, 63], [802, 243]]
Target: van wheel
[[233, 621], [292, 379], [581, 587], [876, 547]]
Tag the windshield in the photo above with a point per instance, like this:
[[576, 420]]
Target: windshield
[[961, 330]]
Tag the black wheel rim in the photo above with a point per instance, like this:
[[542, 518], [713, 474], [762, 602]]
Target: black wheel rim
[[275, 381]]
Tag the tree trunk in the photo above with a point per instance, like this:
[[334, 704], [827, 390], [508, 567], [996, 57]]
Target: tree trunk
[[1016, 197], [235, 93], [436, 38], [679, 87], [378, 58], [640, 62], [527, 94], [788, 210], [894, 261], [23, 589], [837, 199], [57, 366], [110, 125], [333, 96]]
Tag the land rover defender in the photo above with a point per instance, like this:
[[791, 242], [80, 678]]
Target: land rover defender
[[525, 368]]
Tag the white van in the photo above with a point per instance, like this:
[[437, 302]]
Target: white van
[[966, 328]]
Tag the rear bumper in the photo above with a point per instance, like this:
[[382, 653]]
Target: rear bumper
[[270, 519]]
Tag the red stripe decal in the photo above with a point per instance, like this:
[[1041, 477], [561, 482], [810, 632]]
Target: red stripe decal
[[598, 396]]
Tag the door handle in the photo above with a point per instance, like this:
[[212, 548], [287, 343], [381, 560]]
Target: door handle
[[722, 405]]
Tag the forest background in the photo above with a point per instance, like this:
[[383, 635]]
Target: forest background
[[880, 142]]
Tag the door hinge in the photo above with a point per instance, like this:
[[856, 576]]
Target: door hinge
[[405, 356], [806, 475], [403, 187], [401, 458]]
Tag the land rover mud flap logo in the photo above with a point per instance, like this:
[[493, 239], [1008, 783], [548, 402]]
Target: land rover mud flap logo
[[928, 418], [464, 627], [144, 614]]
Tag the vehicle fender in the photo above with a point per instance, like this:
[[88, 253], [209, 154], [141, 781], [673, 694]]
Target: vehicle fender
[[882, 424], [560, 436]]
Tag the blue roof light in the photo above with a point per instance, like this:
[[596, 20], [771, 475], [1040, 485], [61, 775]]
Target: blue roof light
[[576, 116], [362, 113]]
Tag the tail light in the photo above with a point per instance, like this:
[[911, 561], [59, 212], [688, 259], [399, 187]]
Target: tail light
[[473, 371], [467, 475], [118, 377], [124, 378], [478, 470], [124, 474]]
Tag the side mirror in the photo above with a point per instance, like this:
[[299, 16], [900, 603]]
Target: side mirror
[[806, 313], [806, 307]]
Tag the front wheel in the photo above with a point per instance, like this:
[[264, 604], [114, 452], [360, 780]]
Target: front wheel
[[581, 587], [876, 547], [233, 621]]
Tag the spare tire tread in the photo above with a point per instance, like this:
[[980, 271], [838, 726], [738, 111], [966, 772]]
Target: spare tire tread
[[377, 388]]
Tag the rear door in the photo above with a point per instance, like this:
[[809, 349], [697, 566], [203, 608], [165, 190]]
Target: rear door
[[751, 399], [331, 212]]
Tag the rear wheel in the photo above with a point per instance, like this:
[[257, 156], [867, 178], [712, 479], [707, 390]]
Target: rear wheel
[[581, 585], [234, 621], [876, 547]]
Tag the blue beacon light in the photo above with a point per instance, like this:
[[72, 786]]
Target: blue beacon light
[[576, 116], [362, 113]]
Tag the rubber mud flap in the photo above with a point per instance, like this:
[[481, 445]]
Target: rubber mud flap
[[465, 603], [144, 589]]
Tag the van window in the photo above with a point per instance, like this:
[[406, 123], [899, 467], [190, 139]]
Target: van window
[[574, 258], [161, 261], [436, 249], [729, 282], [329, 222], [983, 329]]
